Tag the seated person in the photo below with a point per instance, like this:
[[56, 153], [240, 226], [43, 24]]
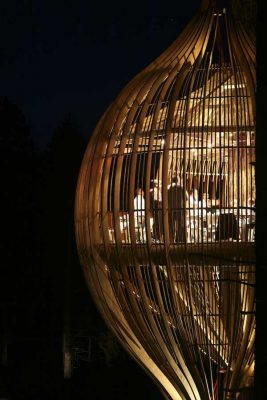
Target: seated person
[[204, 203], [193, 198], [205, 215], [192, 215], [251, 220], [215, 202]]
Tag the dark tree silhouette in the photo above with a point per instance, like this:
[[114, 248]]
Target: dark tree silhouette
[[59, 166], [19, 281], [17, 191]]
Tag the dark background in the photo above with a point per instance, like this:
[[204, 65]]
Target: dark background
[[76, 55], [62, 64]]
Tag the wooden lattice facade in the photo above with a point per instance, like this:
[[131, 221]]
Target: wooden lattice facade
[[165, 213]]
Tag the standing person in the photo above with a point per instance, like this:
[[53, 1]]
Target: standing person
[[156, 207], [176, 211], [204, 214], [193, 215], [140, 216]]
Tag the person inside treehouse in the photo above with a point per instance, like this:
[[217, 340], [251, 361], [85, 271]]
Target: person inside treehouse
[[192, 221], [156, 210], [176, 210], [140, 216]]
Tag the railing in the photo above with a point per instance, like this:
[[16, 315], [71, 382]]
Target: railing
[[210, 224]]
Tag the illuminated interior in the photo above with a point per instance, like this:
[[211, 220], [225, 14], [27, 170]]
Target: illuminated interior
[[214, 157]]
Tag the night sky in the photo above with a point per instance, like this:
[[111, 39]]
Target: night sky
[[76, 55]]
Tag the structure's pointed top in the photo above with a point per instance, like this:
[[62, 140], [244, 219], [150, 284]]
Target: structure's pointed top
[[205, 4]]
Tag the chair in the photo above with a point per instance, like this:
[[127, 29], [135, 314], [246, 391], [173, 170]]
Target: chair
[[227, 227]]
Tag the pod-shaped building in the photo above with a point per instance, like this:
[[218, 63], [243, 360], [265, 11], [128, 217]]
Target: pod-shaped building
[[165, 212]]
